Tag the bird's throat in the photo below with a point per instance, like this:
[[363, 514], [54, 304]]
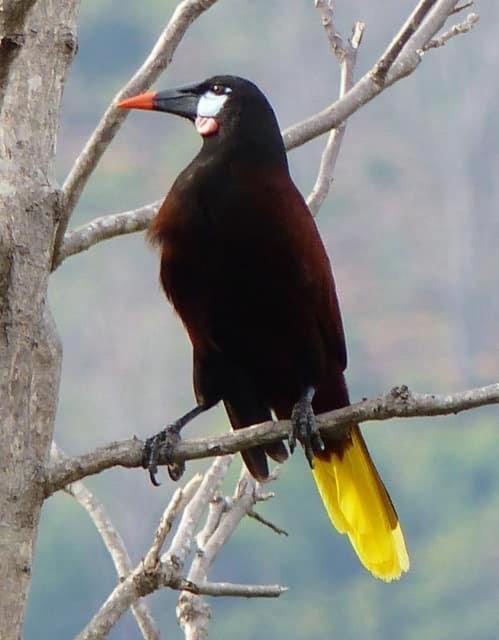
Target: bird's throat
[[206, 126]]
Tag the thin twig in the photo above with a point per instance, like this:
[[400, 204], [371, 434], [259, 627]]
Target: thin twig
[[114, 544], [178, 503], [367, 88], [193, 614], [406, 32], [157, 61], [105, 227], [325, 8], [462, 7], [182, 541], [298, 134], [347, 55], [149, 576], [398, 403], [215, 510], [259, 518], [455, 30], [219, 589]]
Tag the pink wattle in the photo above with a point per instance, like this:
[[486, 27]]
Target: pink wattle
[[206, 126]]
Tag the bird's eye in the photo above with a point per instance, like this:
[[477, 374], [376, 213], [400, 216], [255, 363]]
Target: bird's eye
[[217, 89]]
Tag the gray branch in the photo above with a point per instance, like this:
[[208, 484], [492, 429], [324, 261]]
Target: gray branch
[[154, 572], [398, 403], [157, 61], [114, 544], [219, 589], [193, 614], [105, 227], [368, 87], [410, 27], [347, 57], [396, 63], [455, 30]]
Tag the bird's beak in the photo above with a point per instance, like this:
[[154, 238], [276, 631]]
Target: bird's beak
[[182, 102]]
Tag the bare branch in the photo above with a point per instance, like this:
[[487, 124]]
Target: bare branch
[[219, 589], [406, 32], [192, 613], [259, 518], [154, 573], [157, 61], [105, 227], [149, 576], [325, 8], [367, 88], [215, 510], [398, 403], [178, 503], [396, 63], [347, 56], [181, 543], [462, 7], [456, 30], [114, 544]]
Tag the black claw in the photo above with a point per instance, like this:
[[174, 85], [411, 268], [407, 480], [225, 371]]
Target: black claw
[[162, 443], [176, 470], [305, 430]]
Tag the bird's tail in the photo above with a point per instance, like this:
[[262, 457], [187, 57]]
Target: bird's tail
[[359, 506]]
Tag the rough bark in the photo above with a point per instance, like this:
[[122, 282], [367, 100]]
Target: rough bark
[[30, 352]]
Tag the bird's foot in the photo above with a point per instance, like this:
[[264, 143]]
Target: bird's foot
[[163, 443], [304, 429]]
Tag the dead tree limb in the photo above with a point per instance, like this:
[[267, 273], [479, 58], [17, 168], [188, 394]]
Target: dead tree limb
[[397, 403]]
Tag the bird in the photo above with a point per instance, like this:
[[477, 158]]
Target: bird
[[244, 266]]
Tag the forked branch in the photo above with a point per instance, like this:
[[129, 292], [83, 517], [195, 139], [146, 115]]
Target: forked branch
[[160, 57], [166, 569], [400, 59]]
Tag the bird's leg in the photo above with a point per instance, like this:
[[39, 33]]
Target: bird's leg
[[166, 440], [303, 427]]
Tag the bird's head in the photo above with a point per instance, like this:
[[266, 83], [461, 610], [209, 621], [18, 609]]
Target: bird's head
[[220, 107]]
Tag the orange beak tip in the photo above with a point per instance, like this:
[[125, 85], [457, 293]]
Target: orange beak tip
[[142, 101]]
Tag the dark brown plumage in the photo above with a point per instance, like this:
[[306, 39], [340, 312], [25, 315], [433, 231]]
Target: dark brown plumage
[[245, 268]]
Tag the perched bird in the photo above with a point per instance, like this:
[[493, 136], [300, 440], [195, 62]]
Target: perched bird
[[244, 266]]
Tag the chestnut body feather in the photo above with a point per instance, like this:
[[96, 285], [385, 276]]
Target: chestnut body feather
[[244, 266]]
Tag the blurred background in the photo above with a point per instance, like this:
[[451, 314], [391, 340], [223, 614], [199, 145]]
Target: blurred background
[[412, 229]]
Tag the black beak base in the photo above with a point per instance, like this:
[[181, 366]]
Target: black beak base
[[181, 102]]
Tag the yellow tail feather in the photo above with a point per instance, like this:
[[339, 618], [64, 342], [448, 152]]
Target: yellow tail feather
[[359, 506]]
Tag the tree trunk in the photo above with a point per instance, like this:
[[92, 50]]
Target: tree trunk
[[30, 353]]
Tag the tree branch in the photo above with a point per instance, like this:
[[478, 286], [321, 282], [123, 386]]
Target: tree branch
[[105, 227], [406, 32], [178, 503], [367, 87], [347, 57], [398, 403], [388, 69], [149, 576], [158, 60], [219, 589], [455, 30], [193, 614], [114, 544], [154, 572]]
